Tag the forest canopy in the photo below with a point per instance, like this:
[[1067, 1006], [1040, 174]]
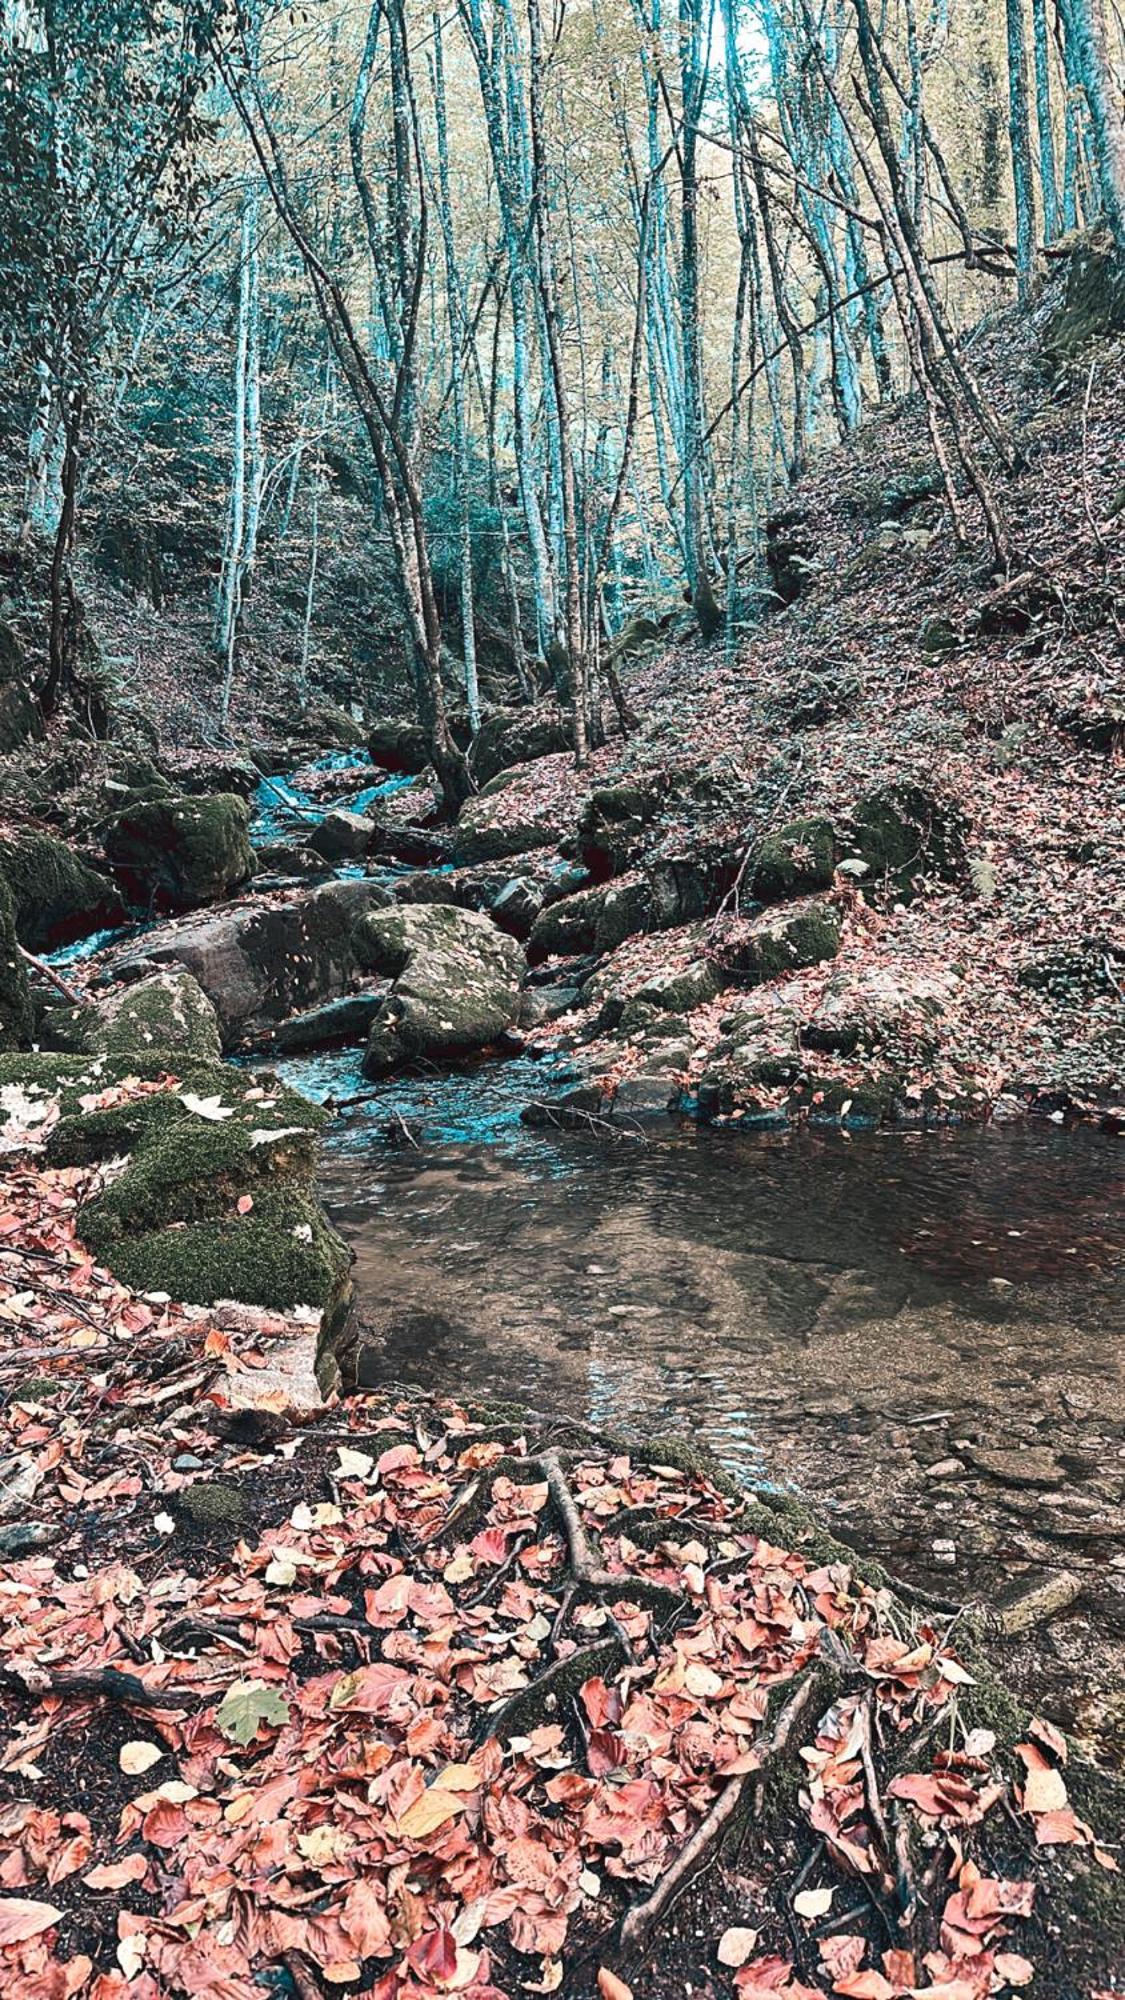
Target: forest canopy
[[565, 296]]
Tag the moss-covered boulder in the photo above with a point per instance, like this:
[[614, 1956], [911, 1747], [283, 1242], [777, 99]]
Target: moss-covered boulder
[[614, 820], [1093, 298], [215, 1201], [167, 1016], [456, 983], [795, 861], [182, 852], [400, 747], [905, 834], [20, 719], [782, 941], [510, 816], [56, 895], [511, 736], [568, 928], [260, 962], [15, 1000]]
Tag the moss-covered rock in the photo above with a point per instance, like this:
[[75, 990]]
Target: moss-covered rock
[[56, 895], [783, 941], [614, 820], [1093, 303], [456, 982], [569, 927], [512, 736], [215, 1201], [167, 1015], [506, 818], [20, 719], [182, 852], [15, 999], [795, 861], [905, 834], [343, 836], [401, 747]]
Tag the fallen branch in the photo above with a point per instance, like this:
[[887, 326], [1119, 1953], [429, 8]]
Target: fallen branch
[[640, 1919], [48, 971], [107, 1682]]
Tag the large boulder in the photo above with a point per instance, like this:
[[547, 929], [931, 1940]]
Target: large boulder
[[781, 941], [568, 928], [400, 747], [508, 817], [260, 962], [456, 983], [167, 1016], [15, 999], [905, 834], [343, 836], [182, 852], [216, 1200], [513, 736], [795, 861], [20, 719], [614, 820], [56, 895]]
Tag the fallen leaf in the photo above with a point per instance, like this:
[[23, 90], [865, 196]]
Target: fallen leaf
[[21, 1918], [735, 1946], [813, 1902], [139, 1756], [611, 1987]]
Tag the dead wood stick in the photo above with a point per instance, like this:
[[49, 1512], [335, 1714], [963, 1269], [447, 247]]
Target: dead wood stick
[[56, 978], [300, 1972], [874, 1802], [108, 1682], [641, 1918]]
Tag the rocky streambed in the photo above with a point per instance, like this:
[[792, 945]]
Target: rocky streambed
[[918, 1330]]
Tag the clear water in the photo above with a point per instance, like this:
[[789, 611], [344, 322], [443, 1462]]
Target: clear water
[[839, 1315], [281, 806]]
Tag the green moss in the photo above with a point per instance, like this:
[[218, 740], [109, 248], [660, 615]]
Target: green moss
[[787, 942], [904, 833], [209, 1504], [15, 998], [56, 895], [168, 1016], [282, 1254], [183, 851], [795, 860]]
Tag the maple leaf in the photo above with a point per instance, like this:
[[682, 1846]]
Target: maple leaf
[[244, 1708]]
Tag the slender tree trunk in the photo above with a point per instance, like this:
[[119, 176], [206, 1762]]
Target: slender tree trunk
[[1044, 127], [1019, 134], [1089, 28]]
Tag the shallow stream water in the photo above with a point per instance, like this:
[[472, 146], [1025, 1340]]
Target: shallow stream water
[[919, 1331]]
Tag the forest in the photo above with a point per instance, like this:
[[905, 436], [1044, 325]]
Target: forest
[[562, 999]]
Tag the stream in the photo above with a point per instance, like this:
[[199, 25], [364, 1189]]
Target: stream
[[918, 1331]]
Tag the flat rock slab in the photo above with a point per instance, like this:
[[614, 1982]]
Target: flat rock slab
[[1034, 1466]]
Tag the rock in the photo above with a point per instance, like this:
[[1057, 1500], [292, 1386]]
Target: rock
[[517, 736], [862, 1006], [167, 1016], [213, 771], [16, 1020], [646, 1094], [182, 852], [463, 888], [345, 1020], [176, 1219], [505, 819], [539, 1004], [1094, 298], [790, 553], [259, 963], [567, 928], [400, 747], [517, 906], [456, 983], [945, 1468], [795, 861], [20, 719], [680, 991], [1035, 1465], [56, 895], [343, 836], [614, 820], [905, 833], [1035, 1599], [781, 941], [287, 864], [413, 846], [186, 1461]]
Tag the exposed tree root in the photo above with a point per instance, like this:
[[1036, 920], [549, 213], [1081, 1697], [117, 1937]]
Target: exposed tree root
[[639, 1921], [108, 1682]]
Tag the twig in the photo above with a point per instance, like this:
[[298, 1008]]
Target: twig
[[56, 978], [297, 1967], [1087, 504], [640, 1919], [108, 1682]]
